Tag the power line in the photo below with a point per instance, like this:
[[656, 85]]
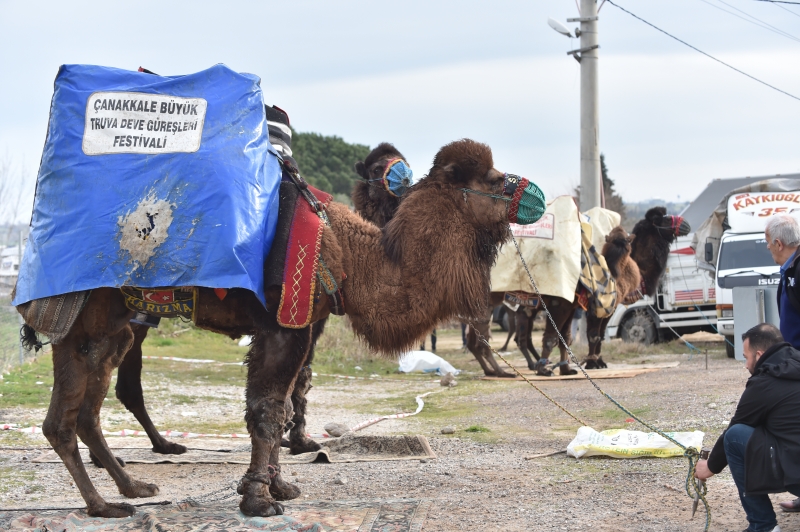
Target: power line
[[787, 10], [702, 52], [755, 21], [780, 2]]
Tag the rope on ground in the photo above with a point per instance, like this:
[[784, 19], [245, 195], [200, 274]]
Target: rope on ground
[[510, 365], [691, 454], [185, 434]]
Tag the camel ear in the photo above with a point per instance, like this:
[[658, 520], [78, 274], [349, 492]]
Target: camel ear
[[608, 238], [361, 169], [630, 238], [453, 173], [655, 215]]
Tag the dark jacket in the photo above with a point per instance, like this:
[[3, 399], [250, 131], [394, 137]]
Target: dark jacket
[[792, 272], [770, 403]]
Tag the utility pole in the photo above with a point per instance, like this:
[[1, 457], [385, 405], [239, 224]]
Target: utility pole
[[587, 56]]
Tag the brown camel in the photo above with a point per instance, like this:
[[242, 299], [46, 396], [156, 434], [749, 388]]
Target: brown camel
[[651, 241], [430, 263], [372, 201], [650, 249]]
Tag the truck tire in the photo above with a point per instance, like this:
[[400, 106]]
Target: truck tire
[[638, 327], [729, 347]]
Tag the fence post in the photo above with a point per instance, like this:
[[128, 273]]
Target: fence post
[[19, 265]]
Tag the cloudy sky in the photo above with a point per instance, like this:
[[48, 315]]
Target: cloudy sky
[[422, 73]]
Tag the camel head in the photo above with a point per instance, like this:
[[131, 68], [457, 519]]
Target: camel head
[[654, 235], [462, 188], [667, 226], [373, 196], [617, 248]]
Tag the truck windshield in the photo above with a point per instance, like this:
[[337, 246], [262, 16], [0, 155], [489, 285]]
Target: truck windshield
[[736, 254]]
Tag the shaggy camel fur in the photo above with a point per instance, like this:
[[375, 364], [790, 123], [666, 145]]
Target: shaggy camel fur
[[375, 204], [431, 263], [654, 235]]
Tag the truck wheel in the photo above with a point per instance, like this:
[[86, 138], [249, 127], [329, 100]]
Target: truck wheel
[[638, 327], [729, 347]]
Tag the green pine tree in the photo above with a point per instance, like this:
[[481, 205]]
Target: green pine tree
[[326, 162]]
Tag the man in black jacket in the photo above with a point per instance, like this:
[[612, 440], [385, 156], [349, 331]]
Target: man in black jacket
[[762, 442]]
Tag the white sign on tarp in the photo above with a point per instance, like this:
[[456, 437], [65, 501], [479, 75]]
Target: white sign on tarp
[[543, 228], [137, 122], [749, 212]]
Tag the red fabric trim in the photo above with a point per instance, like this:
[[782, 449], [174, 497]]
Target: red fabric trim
[[513, 208], [302, 260]]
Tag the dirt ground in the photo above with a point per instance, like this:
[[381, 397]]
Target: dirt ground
[[482, 478]]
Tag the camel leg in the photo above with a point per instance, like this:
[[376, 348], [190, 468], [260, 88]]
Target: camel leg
[[566, 332], [274, 361], [512, 328], [529, 337], [129, 393], [524, 322], [482, 352], [596, 327], [299, 442], [88, 423], [77, 359]]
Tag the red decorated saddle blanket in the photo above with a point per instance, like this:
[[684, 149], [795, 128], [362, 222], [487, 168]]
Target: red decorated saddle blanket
[[300, 272]]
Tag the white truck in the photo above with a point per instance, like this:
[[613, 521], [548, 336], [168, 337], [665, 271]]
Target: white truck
[[684, 302], [742, 258]]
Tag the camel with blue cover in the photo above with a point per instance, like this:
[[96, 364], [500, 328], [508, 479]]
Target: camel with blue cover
[[401, 282]]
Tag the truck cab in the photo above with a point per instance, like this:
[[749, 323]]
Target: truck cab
[[743, 260]]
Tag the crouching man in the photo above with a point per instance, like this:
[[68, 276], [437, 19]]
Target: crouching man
[[762, 442]]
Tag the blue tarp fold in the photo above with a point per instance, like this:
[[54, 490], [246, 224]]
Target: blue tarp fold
[[152, 181]]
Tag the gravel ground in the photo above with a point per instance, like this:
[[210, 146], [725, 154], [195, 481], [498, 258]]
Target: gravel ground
[[480, 481]]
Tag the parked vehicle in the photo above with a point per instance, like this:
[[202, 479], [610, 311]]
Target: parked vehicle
[[742, 258], [685, 302]]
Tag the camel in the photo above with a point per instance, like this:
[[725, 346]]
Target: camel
[[430, 263], [651, 239], [375, 204]]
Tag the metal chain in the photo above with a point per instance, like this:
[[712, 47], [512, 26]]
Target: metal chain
[[570, 414], [690, 453]]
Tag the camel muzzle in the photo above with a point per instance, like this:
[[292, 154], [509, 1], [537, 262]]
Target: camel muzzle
[[397, 178], [526, 202], [677, 225]]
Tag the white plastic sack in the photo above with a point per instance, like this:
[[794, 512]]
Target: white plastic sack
[[621, 443], [427, 362]]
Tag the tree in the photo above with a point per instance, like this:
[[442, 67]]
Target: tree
[[326, 162], [613, 200]]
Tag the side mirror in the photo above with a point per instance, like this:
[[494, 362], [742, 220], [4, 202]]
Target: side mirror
[[709, 252]]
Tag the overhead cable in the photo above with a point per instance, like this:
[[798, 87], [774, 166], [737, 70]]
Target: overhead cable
[[752, 20], [702, 52], [780, 2]]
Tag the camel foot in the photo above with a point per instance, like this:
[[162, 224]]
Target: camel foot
[[168, 447], [305, 445], [256, 499], [111, 510], [97, 463], [597, 363], [139, 490], [502, 374], [541, 368], [566, 370], [283, 491]]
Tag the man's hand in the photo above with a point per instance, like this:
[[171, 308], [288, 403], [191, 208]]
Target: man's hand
[[701, 471]]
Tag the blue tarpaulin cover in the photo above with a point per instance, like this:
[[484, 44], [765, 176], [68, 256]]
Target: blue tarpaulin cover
[[152, 181]]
